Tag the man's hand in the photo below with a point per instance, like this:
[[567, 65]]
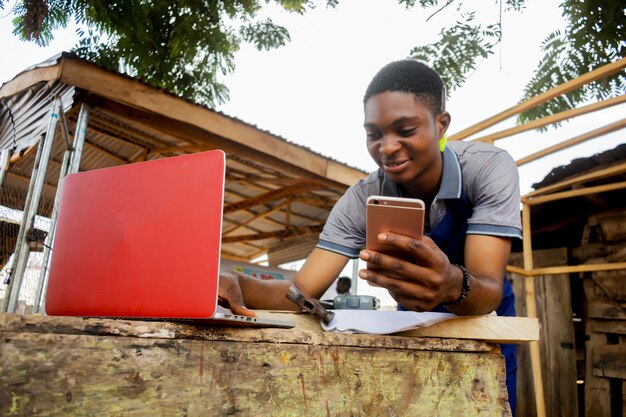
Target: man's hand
[[230, 294], [420, 284], [428, 279]]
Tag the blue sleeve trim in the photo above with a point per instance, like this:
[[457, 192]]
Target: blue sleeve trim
[[493, 230], [340, 249]]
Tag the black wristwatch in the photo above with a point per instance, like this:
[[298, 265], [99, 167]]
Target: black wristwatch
[[466, 287]]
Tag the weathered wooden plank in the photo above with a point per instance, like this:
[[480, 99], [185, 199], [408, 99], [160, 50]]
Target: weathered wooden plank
[[492, 328], [599, 250], [613, 226], [610, 361], [597, 390], [613, 283], [556, 344], [307, 331], [608, 326], [64, 374], [599, 305], [462, 333], [597, 189], [29, 78]]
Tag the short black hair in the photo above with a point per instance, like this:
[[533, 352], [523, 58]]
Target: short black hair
[[410, 76]]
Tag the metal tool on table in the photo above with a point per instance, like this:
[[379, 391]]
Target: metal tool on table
[[356, 302], [309, 305]]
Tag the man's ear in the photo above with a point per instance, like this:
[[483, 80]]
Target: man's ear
[[443, 122]]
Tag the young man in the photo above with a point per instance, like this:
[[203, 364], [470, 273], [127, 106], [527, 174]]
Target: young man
[[471, 192]]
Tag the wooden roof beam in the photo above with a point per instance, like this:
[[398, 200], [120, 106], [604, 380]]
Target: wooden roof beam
[[315, 201], [620, 124], [566, 269], [247, 178], [113, 138], [253, 218], [184, 148], [106, 152], [592, 176], [574, 193], [119, 125], [51, 187], [554, 118], [273, 195], [254, 213], [236, 135], [232, 257], [204, 140], [282, 234], [533, 102], [258, 253], [29, 78]]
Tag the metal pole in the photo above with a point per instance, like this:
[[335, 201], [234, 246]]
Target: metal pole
[[355, 275], [72, 153], [22, 231], [22, 250], [79, 137]]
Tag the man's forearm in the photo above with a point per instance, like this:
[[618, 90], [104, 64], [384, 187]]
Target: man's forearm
[[266, 294]]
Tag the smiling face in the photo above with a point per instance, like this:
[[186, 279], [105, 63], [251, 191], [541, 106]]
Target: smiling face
[[403, 139]]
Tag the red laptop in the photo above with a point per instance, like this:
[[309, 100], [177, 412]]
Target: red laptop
[[142, 241]]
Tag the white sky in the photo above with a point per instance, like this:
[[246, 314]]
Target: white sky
[[310, 91]]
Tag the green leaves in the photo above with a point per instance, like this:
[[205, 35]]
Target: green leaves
[[594, 37], [458, 50], [180, 45], [264, 35]]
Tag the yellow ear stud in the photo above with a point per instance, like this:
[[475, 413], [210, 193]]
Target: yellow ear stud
[[442, 142]]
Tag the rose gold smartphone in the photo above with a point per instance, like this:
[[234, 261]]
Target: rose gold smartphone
[[403, 216]]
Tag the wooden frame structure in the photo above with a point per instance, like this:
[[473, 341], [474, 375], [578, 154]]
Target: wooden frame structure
[[562, 190]]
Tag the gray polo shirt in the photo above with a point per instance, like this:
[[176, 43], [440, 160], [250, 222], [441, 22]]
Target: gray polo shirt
[[487, 175]]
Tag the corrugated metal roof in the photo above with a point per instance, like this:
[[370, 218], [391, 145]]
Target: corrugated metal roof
[[582, 165], [23, 117]]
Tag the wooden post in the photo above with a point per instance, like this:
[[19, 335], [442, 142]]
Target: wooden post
[[531, 306], [557, 340], [597, 389]]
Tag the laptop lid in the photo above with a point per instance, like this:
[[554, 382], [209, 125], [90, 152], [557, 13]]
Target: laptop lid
[[140, 240]]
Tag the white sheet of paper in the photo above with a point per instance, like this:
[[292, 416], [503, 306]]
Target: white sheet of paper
[[381, 321]]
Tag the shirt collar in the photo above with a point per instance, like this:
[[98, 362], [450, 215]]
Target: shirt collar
[[451, 180]]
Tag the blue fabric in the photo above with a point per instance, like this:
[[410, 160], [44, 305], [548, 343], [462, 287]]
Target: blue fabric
[[449, 235]]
